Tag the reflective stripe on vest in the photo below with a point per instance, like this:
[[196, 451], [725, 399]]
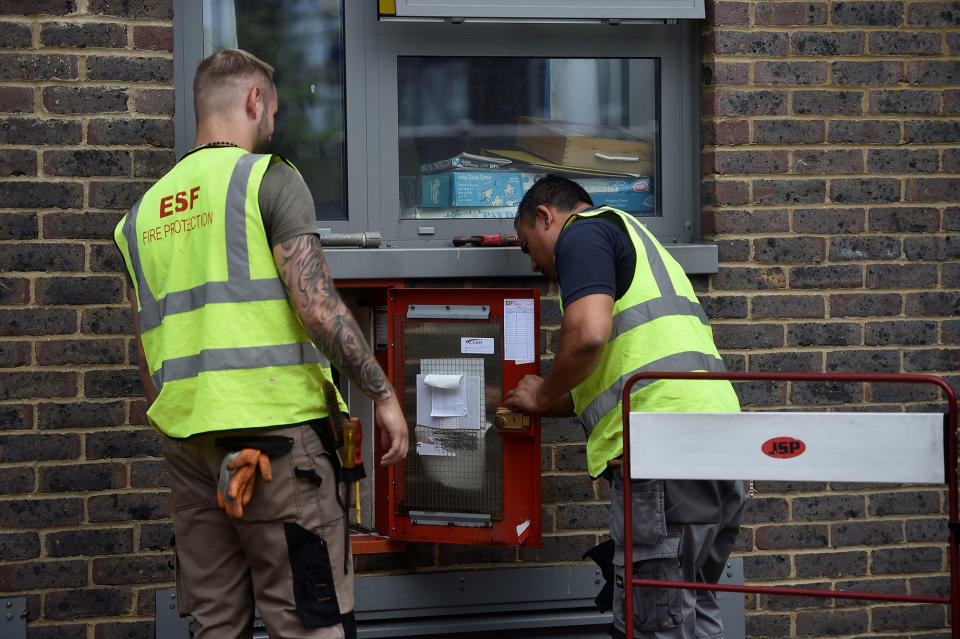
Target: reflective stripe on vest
[[609, 399], [654, 317], [669, 303], [238, 287]]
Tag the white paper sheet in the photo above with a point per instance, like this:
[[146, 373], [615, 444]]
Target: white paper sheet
[[518, 331], [471, 368], [430, 447], [448, 395]]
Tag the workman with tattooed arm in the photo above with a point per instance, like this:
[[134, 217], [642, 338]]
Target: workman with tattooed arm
[[237, 323]]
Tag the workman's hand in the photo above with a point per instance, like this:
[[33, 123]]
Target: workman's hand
[[244, 468], [524, 398], [393, 430]]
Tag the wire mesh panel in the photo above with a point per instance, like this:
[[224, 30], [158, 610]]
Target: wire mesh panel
[[455, 464]]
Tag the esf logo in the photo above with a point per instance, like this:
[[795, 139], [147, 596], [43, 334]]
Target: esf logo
[[167, 206], [783, 447]]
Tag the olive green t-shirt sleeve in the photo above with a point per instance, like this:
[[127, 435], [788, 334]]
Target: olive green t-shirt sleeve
[[286, 205]]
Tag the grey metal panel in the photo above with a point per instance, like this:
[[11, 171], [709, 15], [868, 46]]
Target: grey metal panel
[[689, 188], [552, 8], [732, 608], [557, 601], [489, 261], [13, 618], [187, 54], [471, 591], [169, 624]]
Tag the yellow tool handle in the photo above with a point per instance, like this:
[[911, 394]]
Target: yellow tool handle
[[356, 502], [349, 443]]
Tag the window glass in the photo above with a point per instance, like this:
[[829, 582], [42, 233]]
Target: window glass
[[303, 41], [476, 132]]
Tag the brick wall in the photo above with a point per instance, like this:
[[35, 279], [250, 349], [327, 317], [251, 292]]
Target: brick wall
[[832, 146], [830, 160], [86, 104]]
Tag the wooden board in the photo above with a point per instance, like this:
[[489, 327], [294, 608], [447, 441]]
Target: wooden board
[[574, 144]]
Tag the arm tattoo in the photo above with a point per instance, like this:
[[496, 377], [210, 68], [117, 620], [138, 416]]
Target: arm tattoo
[[325, 317]]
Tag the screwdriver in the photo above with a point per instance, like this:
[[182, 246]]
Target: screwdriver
[[497, 239], [353, 459]]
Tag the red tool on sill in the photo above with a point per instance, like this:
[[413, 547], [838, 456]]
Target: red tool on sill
[[498, 239]]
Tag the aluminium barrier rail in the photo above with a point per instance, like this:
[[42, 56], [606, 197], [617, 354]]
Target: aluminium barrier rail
[[841, 454]]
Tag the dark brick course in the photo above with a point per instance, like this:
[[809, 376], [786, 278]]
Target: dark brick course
[[873, 14], [27, 67], [827, 102], [130, 69], [829, 162], [789, 131], [15, 35], [18, 162], [787, 306], [70, 35], [823, 334], [865, 248], [904, 43]]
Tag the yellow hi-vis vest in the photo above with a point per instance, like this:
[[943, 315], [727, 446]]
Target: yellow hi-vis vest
[[223, 346], [658, 325]]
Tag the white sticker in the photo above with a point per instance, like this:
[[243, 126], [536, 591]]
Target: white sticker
[[481, 345], [518, 331]]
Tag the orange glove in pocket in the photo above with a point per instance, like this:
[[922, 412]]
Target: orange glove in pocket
[[238, 473]]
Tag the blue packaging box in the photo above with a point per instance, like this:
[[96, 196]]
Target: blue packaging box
[[634, 195], [435, 190], [475, 188], [629, 202], [506, 188]]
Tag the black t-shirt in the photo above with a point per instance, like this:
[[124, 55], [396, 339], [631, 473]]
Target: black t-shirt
[[593, 255]]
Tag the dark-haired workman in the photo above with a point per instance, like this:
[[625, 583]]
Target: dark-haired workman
[[629, 307]]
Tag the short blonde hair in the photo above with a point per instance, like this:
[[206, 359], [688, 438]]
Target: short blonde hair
[[223, 78]]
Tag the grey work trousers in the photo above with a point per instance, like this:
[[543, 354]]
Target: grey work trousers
[[671, 544], [287, 553]]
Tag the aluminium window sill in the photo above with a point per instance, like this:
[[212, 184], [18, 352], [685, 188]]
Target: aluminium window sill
[[487, 261]]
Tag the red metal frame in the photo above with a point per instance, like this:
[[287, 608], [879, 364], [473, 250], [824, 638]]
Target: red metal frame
[[521, 452], [378, 291], [953, 599]]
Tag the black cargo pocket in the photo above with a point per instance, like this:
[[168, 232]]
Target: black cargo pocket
[[184, 598], [658, 609], [313, 588], [654, 609], [649, 520]]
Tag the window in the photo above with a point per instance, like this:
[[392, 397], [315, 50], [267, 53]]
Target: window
[[303, 41], [476, 132], [369, 102]]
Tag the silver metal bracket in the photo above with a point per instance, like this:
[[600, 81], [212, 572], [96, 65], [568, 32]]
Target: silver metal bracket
[[447, 311], [470, 520]]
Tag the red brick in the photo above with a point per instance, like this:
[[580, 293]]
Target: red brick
[[153, 38], [791, 13], [16, 99], [728, 13]]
